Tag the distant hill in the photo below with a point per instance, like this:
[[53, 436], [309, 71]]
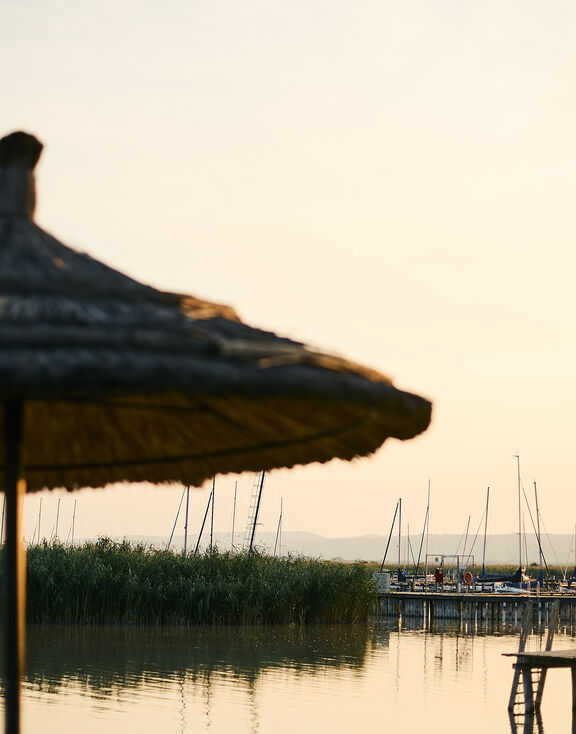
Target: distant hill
[[558, 549]]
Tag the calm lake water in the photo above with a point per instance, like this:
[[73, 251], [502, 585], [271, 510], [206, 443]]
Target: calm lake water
[[276, 680]]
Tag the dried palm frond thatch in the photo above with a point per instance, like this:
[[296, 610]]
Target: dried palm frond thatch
[[103, 379], [121, 381]]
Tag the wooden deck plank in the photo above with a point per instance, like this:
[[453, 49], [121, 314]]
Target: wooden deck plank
[[545, 658]]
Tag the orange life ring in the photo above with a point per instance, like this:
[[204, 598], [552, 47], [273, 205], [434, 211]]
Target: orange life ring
[[467, 578]]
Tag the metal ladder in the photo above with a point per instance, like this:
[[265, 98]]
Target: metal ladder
[[253, 509], [530, 691], [529, 694]]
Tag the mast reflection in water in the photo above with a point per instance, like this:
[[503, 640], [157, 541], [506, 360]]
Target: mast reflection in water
[[273, 680]]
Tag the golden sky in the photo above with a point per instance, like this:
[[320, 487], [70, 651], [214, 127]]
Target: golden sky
[[390, 181]]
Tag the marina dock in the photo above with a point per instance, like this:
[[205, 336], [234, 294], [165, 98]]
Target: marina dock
[[475, 611]]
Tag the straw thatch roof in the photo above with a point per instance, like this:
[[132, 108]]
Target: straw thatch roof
[[125, 382]]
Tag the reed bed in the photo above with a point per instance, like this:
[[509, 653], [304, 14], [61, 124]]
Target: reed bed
[[108, 582]]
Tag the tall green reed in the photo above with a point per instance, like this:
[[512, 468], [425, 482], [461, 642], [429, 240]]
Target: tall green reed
[[108, 582]]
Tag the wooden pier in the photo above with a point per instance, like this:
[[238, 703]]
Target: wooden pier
[[476, 611], [531, 668], [529, 664]]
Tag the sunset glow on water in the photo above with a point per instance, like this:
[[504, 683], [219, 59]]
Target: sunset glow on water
[[281, 679]]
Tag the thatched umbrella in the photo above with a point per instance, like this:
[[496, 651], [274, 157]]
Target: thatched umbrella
[[105, 380]]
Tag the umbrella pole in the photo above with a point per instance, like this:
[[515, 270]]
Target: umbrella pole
[[14, 567]]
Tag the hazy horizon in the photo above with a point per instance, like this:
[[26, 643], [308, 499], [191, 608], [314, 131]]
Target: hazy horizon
[[558, 549]]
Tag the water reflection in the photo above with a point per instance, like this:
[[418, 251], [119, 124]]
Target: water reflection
[[106, 658], [526, 723], [452, 643], [533, 724], [507, 625], [267, 679]]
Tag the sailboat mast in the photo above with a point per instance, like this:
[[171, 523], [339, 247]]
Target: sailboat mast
[[389, 539], [203, 523], [212, 514], [519, 516], [175, 521], [574, 571], [399, 530], [39, 519], [407, 546], [538, 526], [257, 509], [73, 523], [410, 550], [3, 511], [423, 532], [427, 534], [466, 536], [234, 515], [279, 530], [186, 520], [525, 539], [485, 530], [57, 519]]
